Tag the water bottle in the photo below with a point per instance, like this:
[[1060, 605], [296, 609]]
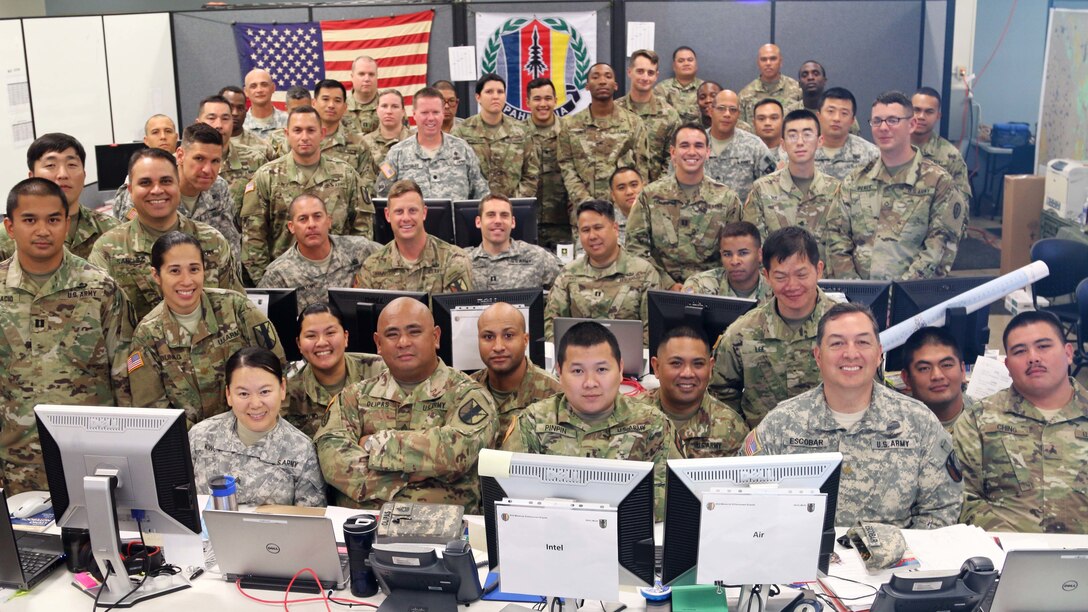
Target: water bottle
[[359, 533], [223, 492]]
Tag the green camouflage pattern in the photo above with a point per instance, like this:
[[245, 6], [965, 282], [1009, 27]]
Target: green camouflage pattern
[[743, 160], [238, 167], [452, 172], [253, 141], [716, 282], [786, 90], [509, 161], [775, 202], [684, 98], [521, 266], [555, 210], [313, 279], [307, 399], [85, 228], [589, 149], [855, 153], [347, 147], [537, 384], [441, 268], [361, 118], [660, 119], [614, 292], [715, 430], [378, 147], [946, 155]]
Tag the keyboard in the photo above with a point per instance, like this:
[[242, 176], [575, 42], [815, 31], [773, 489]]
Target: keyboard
[[33, 562]]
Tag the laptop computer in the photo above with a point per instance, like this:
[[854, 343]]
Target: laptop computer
[[267, 550], [26, 557], [1042, 581], [628, 333]]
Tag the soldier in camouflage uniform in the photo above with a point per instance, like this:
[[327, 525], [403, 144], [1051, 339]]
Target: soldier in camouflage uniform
[[414, 260], [680, 91], [737, 158], [765, 356], [676, 220], [66, 326], [934, 374], [339, 142], [508, 376], [705, 96], [554, 224], [411, 433], [500, 262], [263, 118], [658, 116], [239, 163], [813, 80], [362, 116], [594, 142], [589, 417], [503, 145], [771, 83], [239, 135], [1024, 450], [391, 130], [317, 261], [739, 274], [625, 186], [767, 120], [269, 195], [277, 139], [927, 116], [160, 132], [841, 152], [901, 217], [605, 282], [125, 251]]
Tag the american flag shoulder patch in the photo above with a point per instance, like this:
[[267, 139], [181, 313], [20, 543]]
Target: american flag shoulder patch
[[752, 444], [135, 362]]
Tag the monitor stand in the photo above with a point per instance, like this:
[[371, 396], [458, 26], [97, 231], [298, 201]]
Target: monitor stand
[[753, 597], [568, 604]]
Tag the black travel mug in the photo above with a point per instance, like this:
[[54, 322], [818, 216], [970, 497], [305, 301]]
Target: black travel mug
[[359, 532]]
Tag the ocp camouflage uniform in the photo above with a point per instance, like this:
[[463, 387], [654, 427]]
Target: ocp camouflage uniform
[[614, 292], [280, 468], [633, 431], [347, 147], [1023, 470], [378, 146], [775, 202], [277, 139], [267, 204], [168, 368], [522, 265], [85, 228], [537, 384], [508, 159], [555, 210], [426, 442], [855, 153], [714, 430], [786, 90], [250, 139], [947, 155], [452, 172], [125, 253], [969, 404], [684, 98], [896, 228], [589, 149], [64, 342], [313, 279], [743, 160], [660, 119], [441, 268], [361, 118], [760, 361], [898, 466], [238, 167], [716, 282], [677, 230], [308, 399], [262, 127]]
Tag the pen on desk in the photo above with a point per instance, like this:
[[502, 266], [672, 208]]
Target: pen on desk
[[196, 574]]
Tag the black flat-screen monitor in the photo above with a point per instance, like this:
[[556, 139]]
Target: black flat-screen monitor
[[457, 313], [439, 221], [112, 161], [282, 305], [468, 235], [711, 314], [360, 309], [971, 331], [874, 294]]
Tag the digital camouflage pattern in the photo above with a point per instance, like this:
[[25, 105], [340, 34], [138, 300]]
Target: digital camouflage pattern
[[969, 403], [1024, 471], [280, 468], [262, 127], [441, 268], [775, 202], [452, 172], [898, 465], [125, 253], [660, 119], [677, 230], [589, 150], [537, 384], [521, 266], [554, 226], [947, 155], [715, 430], [168, 368], [759, 361], [378, 146], [896, 228], [425, 443], [307, 399], [786, 90], [85, 228], [361, 118], [63, 343], [617, 291], [684, 98], [509, 161], [855, 153], [347, 147], [716, 282], [313, 279], [743, 160]]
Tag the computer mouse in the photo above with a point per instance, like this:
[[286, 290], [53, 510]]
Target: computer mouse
[[29, 503]]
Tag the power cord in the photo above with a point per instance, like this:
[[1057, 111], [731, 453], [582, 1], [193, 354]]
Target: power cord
[[326, 596], [109, 567]]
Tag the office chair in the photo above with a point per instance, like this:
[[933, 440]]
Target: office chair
[[1068, 263]]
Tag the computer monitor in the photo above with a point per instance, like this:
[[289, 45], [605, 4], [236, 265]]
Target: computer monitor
[[360, 309], [457, 314], [688, 480], [626, 486], [971, 331], [874, 294], [112, 161], [439, 221], [468, 235], [280, 305], [711, 314], [119, 468]]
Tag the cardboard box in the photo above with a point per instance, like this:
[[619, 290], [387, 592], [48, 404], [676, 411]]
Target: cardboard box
[[1022, 208]]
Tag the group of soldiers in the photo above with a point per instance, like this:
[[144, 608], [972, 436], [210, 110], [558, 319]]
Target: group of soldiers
[[681, 185]]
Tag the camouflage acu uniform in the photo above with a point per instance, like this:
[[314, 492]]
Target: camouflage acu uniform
[[267, 204], [684, 98], [378, 147], [168, 368], [280, 468], [86, 227], [946, 155], [63, 343], [554, 225], [896, 228], [239, 166], [522, 265], [361, 118], [589, 150], [715, 430], [425, 443], [716, 282], [307, 399], [614, 292], [347, 147], [253, 141], [262, 127], [855, 153], [535, 386], [1022, 470], [898, 467], [508, 160], [660, 119], [441, 268], [760, 361], [313, 279], [786, 90], [452, 172], [125, 253], [634, 431], [677, 230], [776, 202], [743, 160]]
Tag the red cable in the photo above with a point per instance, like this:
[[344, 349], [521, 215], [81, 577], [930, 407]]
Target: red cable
[[321, 589], [1000, 39]]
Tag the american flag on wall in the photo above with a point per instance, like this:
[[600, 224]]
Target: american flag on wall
[[304, 53]]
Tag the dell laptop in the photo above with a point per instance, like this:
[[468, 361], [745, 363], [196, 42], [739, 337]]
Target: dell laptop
[[1043, 581], [25, 557]]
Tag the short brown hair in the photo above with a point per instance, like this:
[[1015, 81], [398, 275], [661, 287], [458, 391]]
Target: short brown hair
[[493, 196], [649, 54], [402, 187]]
